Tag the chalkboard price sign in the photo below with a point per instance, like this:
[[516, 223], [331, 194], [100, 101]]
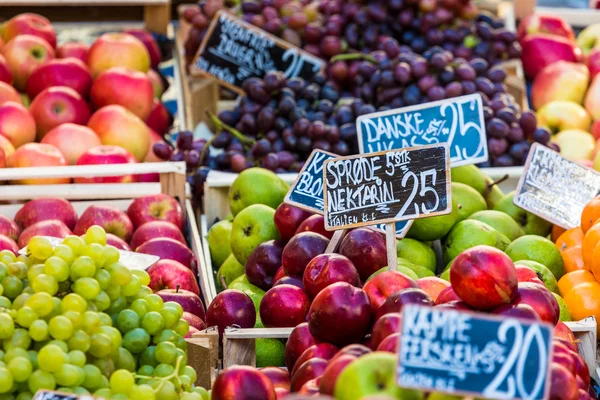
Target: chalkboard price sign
[[387, 186], [555, 188], [52, 395], [457, 121], [233, 51], [473, 354]]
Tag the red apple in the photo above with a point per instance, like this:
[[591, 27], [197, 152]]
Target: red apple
[[148, 40], [284, 306], [8, 93], [169, 274], [194, 320], [561, 330], [104, 154], [447, 295], [231, 307], [16, 124], [158, 207], [110, 218], [325, 269], [68, 72], [340, 314], [157, 83], [549, 24], [311, 369], [46, 208], [526, 274], [381, 286], [190, 302], [395, 302], [563, 385], [279, 377], [38, 155], [592, 61], [366, 249], [58, 105], [484, 277], [72, 140], [117, 126], [5, 73], [315, 223], [54, 228], [540, 50], [263, 263], [117, 50], [126, 87], [302, 248], [433, 286], [7, 243], [29, 24], [24, 54], [76, 50], [9, 228], [326, 351], [159, 119], [523, 311], [242, 382], [115, 241], [287, 220], [299, 340], [354, 349], [540, 299], [170, 249], [385, 326], [155, 229], [390, 343]]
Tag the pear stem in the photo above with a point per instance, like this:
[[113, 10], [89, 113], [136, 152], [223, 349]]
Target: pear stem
[[223, 282], [499, 180]]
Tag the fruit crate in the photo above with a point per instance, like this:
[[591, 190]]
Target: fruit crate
[[577, 17], [155, 13]]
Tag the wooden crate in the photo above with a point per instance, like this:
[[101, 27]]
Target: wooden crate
[[203, 355], [239, 345], [585, 333]]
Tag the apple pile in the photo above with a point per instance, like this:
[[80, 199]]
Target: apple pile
[[74, 104]]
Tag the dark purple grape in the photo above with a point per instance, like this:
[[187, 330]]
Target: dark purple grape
[[271, 161], [192, 158], [273, 80], [272, 136], [528, 122], [426, 83], [229, 117], [290, 142], [519, 151], [304, 144], [484, 85], [507, 115], [504, 160], [177, 156], [248, 124], [447, 76], [484, 31], [286, 159], [497, 128], [333, 134], [317, 130], [469, 87], [322, 145], [341, 148], [344, 115], [300, 127], [223, 160], [265, 119], [411, 95], [418, 68], [295, 84], [480, 65], [515, 133], [488, 113], [238, 163], [542, 135], [497, 146], [162, 150], [454, 89], [185, 140], [347, 131], [496, 75], [199, 144], [465, 72], [261, 148], [366, 109], [436, 93]]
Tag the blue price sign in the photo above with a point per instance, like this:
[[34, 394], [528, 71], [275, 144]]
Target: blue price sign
[[457, 121], [473, 354]]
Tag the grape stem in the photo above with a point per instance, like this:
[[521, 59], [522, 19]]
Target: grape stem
[[220, 125], [353, 56], [163, 379]]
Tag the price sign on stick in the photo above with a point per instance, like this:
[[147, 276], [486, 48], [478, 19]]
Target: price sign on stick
[[52, 395], [233, 51], [474, 354], [555, 188], [457, 121]]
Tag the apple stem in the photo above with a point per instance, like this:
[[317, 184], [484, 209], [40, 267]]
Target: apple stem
[[220, 125], [223, 282], [353, 56], [177, 288]]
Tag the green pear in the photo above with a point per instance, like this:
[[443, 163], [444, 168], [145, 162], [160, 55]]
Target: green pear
[[493, 195], [531, 224], [501, 222], [477, 179], [256, 186], [230, 270], [218, 237], [401, 268], [540, 249], [255, 293], [434, 228], [470, 233], [241, 279], [269, 353], [372, 374], [419, 270], [468, 200], [251, 227], [565, 314], [416, 252], [446, 275], [542, 272]]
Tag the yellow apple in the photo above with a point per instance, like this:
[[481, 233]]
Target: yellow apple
[[575, 144]]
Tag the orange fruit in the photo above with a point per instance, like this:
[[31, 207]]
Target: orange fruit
[[569, 245], [584, 301], [595, 267], [590, 214], [556, 232], [572, 279], [590, 240], [569, 238], [573, 259]]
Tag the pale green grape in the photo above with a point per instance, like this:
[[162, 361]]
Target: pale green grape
[[136, 340], [103, 393], [80, 340], [3, 270], [146, 370], [105, 319], [147, 356], [7, 256], [14, 353], [121, 381], [74, 302], [40, 379], [65, 253], [170, 317], [69, 375], [13, 286], [101, 345], [57, 268], [7, 326], [182, 328], [45, 283], [93, 377], [191, 372], [51, 357], [153, 322], [163, 370], [176, 306], [167, 391], [140, 306], [103, 278], [166, 335], [132, 288], [26, 316], [118, 305], [39, 247], [76, 244], [20, 338], [77, 358], [142, 392], [20, 368], [127, 320], [113, 334], [96, 253], [20, 300], [102, 301], [120, 274], [75, 318], [91, 321], [61, 344], [155, 302], [32, 354], [56, 308], [38, 330], [24, 396], [165, 352], [113, 291], [186, 382], [144, 292], [60, 327], [95, 234], [83, 267], [18, 269], [126, 360], [34, 271], [87, 288], [111, 255], [41, 303]]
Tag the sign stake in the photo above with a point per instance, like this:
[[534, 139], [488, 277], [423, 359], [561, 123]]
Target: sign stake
[[335, 241], [390, 244]]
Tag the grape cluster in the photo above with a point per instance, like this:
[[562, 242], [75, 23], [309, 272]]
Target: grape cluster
[[193, 151], [73, 318]]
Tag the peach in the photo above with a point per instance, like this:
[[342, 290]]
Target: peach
[[126, 87], [29, 24], [592, 99], [53, 227], [24, 54], [561, 80], [5, 73], [16, 124], [446, 296], [117, 50], [69, 72], [38, 155], [72, 140], [105, 154], [432, 285], [117, 126], [380, 287], [484, 277], [8, 93], [76, 50], [58, 105]]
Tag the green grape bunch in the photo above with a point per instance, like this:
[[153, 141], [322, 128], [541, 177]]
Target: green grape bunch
[[73, 318]]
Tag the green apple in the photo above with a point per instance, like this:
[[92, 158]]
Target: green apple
[[419, 270], [470, 233], [254, 292], [565, 314], [269, 353], [218, 237], [371, 374], [501, 222], [230, 270], [416, 252], [256, 186], [251, 227], [530, 223], [540, 249], [468, 200], [434, 228], [542, 272]]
